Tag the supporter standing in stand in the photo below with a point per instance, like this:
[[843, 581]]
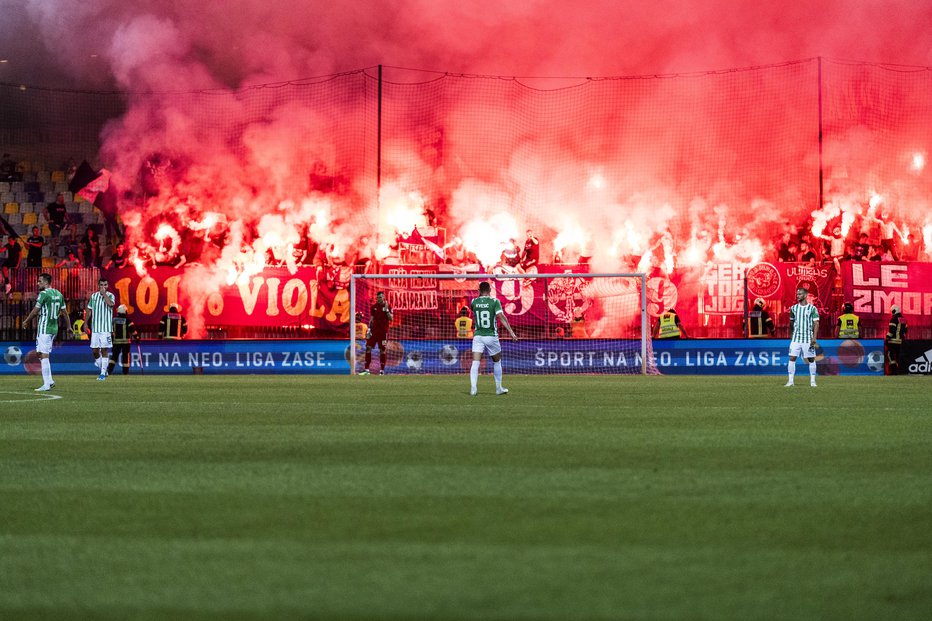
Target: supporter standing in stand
[[34, 246], [531, 256], [56, 214]]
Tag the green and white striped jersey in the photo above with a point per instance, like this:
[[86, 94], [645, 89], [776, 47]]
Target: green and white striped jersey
[[49, 302], [485, 309], [803, 318], [101, 314]]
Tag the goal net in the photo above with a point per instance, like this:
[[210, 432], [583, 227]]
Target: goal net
[[565, 323]]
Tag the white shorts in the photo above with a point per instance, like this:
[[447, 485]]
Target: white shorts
[[488, 344], [44, 343], [802, 349], [101, 340]]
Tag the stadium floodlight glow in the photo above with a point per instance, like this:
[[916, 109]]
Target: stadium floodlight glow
[[566, 322]]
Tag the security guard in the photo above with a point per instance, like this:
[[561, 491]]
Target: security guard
[[124, 331], [173, 325], [361, 328], [760, 324], [78, 329], [669, 326], [896, 332], [578, 328], [463, 324], [849, 326]]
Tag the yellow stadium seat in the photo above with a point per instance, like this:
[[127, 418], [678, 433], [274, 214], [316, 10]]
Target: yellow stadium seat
[[11, 208], [79, 199], [58, 176], [30, 218], [48, 261], [46, 231]]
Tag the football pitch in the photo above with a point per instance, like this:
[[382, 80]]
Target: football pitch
[[572, 497]]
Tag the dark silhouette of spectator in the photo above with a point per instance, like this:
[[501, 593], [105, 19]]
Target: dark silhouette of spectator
[[34, 247], [806, 255], [119, 258], [8, 170], [89, 249], [71, 260], [56, 214], [13, 258], [786, 249], [511, 255], [531, 256], [861, 249]]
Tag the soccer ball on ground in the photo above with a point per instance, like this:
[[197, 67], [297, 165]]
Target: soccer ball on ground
[[875, 361], [13, 355]]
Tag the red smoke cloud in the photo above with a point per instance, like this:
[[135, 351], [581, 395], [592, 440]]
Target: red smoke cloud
[[678, 170]]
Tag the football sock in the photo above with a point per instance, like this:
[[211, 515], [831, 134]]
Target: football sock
[[812, 370], [383, 358], [497, 372], [368, 358], [46, 371], [474, 374], [791, 368], [104, 362]]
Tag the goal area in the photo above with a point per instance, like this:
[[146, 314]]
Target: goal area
[[565, 323]]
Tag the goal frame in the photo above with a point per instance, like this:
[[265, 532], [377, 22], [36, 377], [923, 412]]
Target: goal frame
[[645, 334]]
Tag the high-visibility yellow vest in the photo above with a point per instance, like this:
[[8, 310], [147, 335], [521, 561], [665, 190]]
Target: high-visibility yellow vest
[[463, 327], [361, 330], [668, 327], [849, 326]]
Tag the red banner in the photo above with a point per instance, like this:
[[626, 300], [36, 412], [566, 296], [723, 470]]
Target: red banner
[[312, 296], [874, 287]]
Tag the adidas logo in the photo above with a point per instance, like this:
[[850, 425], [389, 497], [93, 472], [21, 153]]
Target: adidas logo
[[923, 363]]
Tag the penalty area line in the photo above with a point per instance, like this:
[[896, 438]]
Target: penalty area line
[[33, 397]]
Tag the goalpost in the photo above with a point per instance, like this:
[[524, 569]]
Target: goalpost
[[566, 323]]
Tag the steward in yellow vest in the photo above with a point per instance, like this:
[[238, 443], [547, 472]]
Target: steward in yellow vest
[[669, 326], [463, 324], [849, 326]]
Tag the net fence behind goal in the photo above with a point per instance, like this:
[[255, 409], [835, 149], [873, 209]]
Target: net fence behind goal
[[565, 323]]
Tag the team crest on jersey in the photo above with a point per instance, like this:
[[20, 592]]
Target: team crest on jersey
[[763, 280], [567, 299]]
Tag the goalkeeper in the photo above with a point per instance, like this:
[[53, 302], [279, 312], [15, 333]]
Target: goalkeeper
[[486, 310], [380, 316]]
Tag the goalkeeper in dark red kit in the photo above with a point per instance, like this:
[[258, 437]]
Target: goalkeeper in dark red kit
[[380, 317]]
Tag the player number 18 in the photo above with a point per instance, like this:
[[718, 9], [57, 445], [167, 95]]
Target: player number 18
[[484, 319]]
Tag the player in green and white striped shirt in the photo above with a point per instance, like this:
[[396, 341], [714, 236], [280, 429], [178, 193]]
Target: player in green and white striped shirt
[[49, 305], [804, 328], [100, 318], [487, 311]]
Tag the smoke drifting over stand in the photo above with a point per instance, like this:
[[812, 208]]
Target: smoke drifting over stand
[[673, 170]]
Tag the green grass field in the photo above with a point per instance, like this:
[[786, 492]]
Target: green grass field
[[586, 497]]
